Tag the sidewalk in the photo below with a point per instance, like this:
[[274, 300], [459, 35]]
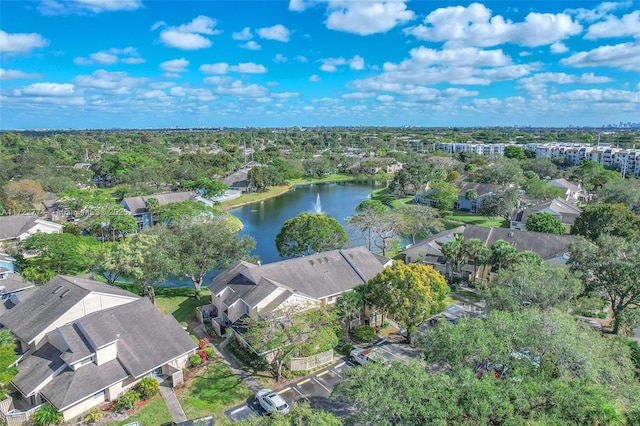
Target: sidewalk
[[251, 383], [169, 396]]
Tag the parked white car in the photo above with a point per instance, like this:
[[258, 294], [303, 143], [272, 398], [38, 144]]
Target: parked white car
[[271, 402]]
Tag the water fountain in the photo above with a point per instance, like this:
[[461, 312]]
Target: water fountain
[[317, 207]]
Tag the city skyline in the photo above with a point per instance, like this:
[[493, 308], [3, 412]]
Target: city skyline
[[144, 64]]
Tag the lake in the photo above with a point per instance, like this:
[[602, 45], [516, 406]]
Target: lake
[[264, 219]]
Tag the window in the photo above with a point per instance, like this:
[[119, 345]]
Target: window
[[85, 361], [330, 299]]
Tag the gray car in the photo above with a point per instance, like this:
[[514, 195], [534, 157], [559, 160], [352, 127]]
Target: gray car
[[271, 402]]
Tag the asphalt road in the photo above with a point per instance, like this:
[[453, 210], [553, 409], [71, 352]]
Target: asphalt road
[[317, 387]]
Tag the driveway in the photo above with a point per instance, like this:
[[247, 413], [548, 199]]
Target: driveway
[[317, 387]]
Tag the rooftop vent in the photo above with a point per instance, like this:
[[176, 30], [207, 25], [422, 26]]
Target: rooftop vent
[[57, 289], [64, 293], [312, 262]]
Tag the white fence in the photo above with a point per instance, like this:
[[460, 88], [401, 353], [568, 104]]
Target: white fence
[[310, 362]]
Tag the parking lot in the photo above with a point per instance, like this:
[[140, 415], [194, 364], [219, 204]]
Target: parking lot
[[317, 387]]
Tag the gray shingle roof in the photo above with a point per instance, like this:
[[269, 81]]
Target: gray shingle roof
[[78, 345], [49, 302], [317, 276], [12, 227], [71, 386], [480, 188], [153, 341], [37, 367], [559, 206], [139, 204], [565, 184]]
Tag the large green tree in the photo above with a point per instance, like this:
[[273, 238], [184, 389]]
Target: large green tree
[[300, 414], [545, 222], [196, 247], [455, 252], [8, 356], [417, 220], [290, 332], [624, 191], [411, 293], [527, 284], [557, 371], [443, 194], [57, 254], [503, 254], [610, 219], [500, 203], [310, 233], [609, 267]]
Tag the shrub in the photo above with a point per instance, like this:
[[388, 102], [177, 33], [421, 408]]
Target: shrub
[[209, 352], [386, 324], [128, 401], [203, 343], [148, 387], [195, 360], [93, 416], [248, 358], [47, 415], [364, 333], [203, 355]]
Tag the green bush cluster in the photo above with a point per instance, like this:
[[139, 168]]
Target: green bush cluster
[[250, 359], [128, 401], [93, 416], [364, 333], [344, 347], [209, 351], [195, 360], [47, 415], [148, 387]]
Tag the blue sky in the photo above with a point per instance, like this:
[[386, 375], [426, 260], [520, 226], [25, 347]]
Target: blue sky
[[162, 63]]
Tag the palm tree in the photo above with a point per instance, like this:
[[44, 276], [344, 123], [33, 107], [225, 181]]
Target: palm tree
[[348, 305], [454, 252], [473, 249]]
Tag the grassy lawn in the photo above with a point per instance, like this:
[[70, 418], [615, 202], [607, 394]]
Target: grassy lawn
[[211, 391], [475, 219], [389, 199], [467, 295], [180, 302], [153, 413]]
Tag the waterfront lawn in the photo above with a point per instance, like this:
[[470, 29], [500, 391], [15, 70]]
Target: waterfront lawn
[[212, 390], [389, 199], [180, 302], [475, 219]]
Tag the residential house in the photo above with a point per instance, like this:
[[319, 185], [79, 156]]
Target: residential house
[[573, 193], [137, 206], [20, 227], [550, 247], [239, 180], [482, 190], [83, 343], [559, 208], [246, 289], [10, 282]]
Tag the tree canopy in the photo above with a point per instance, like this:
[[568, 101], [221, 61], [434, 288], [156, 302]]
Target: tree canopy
[[410, 292], [310, 233], [611, 219], [545, 222]]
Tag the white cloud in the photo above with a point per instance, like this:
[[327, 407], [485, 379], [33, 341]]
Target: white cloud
[[128, 55], [358, 95], [301, 59], [285, 95], [475, 26], [152, 94], [250, 45], [102, 79], [558, 47], [625, 56], [218, 80], [237, 88], [175, 65], [609, 96], [332, 64], [16, 75], [628, 25], [468, 56], [279, 58], [243, 35], [219, 68], [536, 84], [190, 36], [599, 11], [314, 78], [21, 43], [366, 17], [277, 32], [356, 63], [385, 99], [248, 68], [157, 25], [48, 89], [57, 7]]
